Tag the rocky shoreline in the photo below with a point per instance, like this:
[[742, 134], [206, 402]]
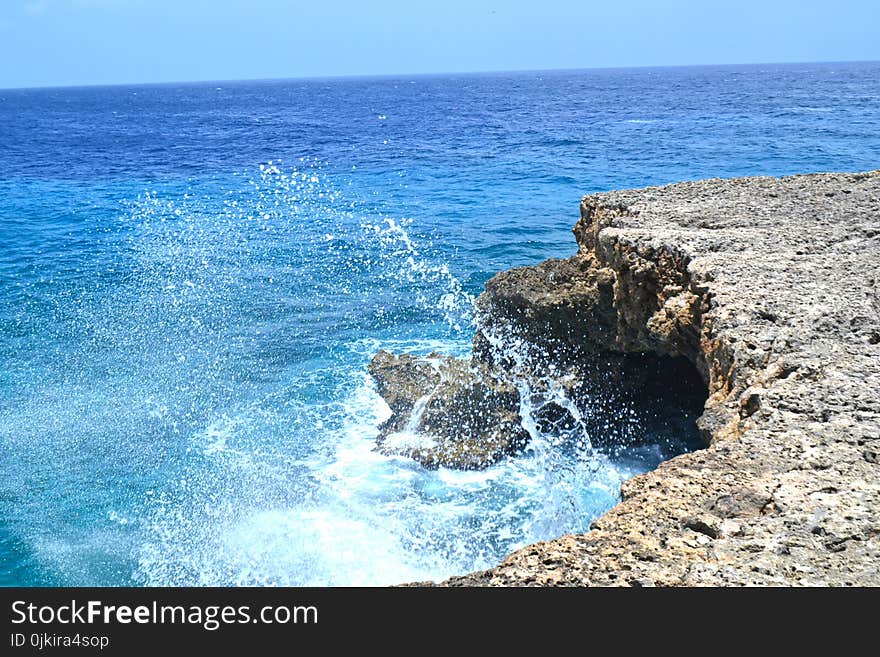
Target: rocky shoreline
[[769, 289]]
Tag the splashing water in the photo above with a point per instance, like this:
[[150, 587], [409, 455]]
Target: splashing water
[[206, 419], [302, 498]]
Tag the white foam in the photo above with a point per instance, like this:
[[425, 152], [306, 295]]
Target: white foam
[[402, 441], [215, 436]]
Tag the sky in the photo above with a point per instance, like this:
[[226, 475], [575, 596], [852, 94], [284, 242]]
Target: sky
[[83, 42]]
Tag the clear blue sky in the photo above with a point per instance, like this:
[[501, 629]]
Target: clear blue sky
[[72, 42]]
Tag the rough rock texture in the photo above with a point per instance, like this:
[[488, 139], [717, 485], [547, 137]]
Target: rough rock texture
[[446, 411], [466, 415], [771, 287], [567, 305]]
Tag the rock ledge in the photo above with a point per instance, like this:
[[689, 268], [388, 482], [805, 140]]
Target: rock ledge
[[771, 288]]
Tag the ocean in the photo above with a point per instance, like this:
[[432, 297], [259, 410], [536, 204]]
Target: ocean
[[193, 278]]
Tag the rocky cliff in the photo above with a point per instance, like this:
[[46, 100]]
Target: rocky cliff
[[771, 288]]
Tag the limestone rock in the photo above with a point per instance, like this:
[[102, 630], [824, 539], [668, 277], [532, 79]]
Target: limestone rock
[[769, 286]]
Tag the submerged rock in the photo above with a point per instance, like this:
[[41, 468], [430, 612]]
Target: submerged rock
[[446, 411]]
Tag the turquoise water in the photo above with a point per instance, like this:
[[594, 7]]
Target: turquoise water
[[194, 277]]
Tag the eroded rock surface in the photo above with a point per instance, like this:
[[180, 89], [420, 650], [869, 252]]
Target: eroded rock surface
[[446, 411], [771, 288]]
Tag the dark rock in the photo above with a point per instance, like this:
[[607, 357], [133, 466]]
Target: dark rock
[[749, 405], [446, 411], [703, 526], [566, 306], [402, 379], [466, 414]]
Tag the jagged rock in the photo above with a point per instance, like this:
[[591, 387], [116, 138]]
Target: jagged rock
[[446, 411], [565, 306], [466, 415]]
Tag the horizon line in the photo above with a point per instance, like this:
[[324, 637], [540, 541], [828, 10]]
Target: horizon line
[[368, 76]]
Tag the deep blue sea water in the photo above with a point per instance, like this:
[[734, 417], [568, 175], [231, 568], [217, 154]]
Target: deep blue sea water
[[193, 278]]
